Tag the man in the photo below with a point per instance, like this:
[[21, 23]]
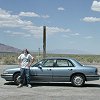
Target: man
[[25, 61]]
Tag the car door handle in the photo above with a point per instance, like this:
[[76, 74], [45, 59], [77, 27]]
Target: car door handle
[[70, 69], [49, 69]]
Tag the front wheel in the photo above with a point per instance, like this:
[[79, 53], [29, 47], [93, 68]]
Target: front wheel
[[78, 80], [17, 78]]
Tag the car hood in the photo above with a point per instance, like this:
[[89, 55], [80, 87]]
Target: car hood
[[12, 69]]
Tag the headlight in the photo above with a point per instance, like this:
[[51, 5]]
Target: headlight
[[6, 72]]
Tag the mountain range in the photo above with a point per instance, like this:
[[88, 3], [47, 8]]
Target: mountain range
[[6, 48]]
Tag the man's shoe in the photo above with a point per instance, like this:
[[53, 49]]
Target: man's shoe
[[20, 85], [29, 85]]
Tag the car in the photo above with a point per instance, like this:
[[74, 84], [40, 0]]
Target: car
[[55, 70]]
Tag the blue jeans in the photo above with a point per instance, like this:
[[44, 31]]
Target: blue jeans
[[24, 76]]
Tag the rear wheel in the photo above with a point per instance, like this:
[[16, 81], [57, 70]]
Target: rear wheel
[[78, 80]]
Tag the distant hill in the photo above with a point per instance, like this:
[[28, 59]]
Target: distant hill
[[6, 48]]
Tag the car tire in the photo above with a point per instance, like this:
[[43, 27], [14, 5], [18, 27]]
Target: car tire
[[17, 78], [78, 80]]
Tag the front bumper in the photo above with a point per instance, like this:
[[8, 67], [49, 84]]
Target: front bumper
[[92, 77], [7, 77]]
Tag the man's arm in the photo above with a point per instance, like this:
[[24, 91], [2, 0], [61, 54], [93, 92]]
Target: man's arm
[[31, 61]]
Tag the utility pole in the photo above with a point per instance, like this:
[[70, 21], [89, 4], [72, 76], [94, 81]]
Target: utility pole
[[39, 54], [44, 41], [38, 51]]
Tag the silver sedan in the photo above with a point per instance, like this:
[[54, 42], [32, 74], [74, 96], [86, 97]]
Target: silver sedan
[[56, 70]]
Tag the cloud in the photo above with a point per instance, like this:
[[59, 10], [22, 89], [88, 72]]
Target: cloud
[[56, 30], [29, 14], [37, 31], [96, 6], [11, 22], [27, 35], [45, 16], [72, 42], [70, 35], [32, 14], [65, 36], [75, 34], [91, 19], [61, 9], [14, 21], [7, 31], [3, 13], [88, 37], [19, 34]]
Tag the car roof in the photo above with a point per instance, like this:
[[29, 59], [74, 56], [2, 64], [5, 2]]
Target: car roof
[[66, 58], [58, 58]]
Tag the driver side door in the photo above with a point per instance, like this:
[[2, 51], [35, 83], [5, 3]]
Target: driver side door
[[43, 71]]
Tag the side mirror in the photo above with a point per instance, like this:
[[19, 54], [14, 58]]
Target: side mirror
[[40, 65]]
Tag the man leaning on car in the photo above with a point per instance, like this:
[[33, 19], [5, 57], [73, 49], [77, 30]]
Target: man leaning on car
[[25, 61]]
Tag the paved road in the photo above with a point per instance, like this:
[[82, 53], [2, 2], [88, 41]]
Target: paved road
[[9, 91]]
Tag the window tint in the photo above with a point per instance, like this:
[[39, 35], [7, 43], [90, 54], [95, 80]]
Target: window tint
[[48, 63], [64, 63]]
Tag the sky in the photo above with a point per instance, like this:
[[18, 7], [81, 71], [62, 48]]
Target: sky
[[70, 24]]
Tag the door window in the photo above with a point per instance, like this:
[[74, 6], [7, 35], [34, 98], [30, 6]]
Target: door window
[[48, 63], [64, 63]]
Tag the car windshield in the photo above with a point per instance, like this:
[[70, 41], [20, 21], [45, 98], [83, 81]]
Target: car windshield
[[38, 63]]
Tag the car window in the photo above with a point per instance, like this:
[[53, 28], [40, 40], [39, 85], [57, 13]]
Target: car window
[[38, 63], [70, 64], [64, 63], [48, 63]]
